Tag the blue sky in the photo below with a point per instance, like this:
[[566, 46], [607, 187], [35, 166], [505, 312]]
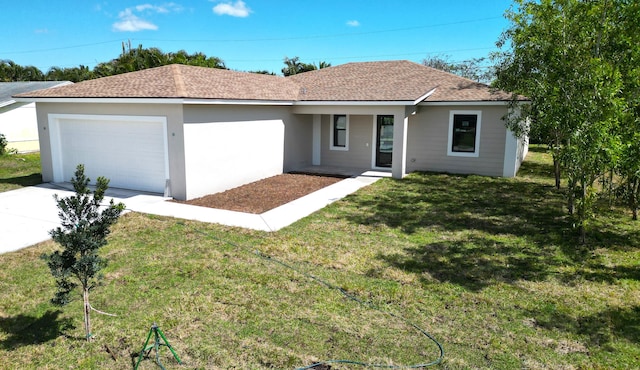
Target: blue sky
[[250, 35]]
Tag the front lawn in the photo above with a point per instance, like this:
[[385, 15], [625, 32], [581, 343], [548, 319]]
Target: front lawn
[[19, 170], [488, 266]]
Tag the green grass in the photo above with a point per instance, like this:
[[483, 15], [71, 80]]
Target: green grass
[[489, 266], [19, 170]]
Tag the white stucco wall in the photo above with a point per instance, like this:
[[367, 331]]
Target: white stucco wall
[[223, 155], [18, 123], [175, 142]]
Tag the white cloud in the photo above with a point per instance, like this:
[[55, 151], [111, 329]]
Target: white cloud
[[143, 7], [162, 9], [237, 9], [129, 21], [353, 23]]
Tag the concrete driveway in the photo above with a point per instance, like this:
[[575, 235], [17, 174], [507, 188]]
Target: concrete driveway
[[28, 214]]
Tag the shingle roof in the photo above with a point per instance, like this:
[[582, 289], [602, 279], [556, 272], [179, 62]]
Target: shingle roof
[[390, 81], [368, 81], [8, 89], [179, 81]]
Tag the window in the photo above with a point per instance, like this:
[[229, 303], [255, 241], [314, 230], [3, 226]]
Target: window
[[339, 132], [464, 133]]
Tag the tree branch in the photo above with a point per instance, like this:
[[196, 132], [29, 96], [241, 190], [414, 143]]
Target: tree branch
[[101, 312]]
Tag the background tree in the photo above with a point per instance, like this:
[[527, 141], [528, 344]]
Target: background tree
[[3, 144], [11, 72], [73, 74], [472, 69], [294, 66], [263, 72], [130, 60], [83, 232], [322, 65]]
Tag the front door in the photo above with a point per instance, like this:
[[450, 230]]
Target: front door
[[384, 142]]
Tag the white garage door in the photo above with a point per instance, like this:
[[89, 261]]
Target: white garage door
[[130, 151]]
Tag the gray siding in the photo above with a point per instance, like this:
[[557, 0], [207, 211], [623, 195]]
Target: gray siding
[[428, 139], [360, 137]]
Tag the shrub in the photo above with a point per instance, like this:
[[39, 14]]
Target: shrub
[[3, 144]]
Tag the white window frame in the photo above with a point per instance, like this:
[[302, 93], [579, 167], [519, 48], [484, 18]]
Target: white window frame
[[331, 131], [476, 152]]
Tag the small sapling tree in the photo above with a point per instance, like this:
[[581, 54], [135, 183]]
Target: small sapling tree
[[84, 230]]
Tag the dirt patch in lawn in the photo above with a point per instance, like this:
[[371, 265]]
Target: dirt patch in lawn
[[261, 196]]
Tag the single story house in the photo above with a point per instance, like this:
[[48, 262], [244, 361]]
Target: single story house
[[189, 131], [18, 121]]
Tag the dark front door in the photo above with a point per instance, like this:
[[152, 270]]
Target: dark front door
[[384, 145]]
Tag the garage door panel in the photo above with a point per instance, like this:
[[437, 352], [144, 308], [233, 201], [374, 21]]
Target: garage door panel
[[130, 152]]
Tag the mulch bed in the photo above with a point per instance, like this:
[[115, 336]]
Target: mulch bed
[[261, 196]]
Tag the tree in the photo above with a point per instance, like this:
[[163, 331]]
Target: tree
[[323, 64], [294, 66], [471, 69], [130, 60], [136, 59], [625, 50], [3, 144], [73, 74], [560, 57], [12, 72], [263, 72], [83, 232]]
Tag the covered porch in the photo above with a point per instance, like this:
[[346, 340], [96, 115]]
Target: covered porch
[[363, 143], [342, 171]]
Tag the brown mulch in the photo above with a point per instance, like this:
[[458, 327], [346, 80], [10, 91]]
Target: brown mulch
[[263, 195]]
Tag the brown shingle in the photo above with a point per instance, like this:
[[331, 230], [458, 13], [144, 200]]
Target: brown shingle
[[390, 81], [368, 81], [179, 81]]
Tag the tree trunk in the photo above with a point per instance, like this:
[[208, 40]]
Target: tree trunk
[[611, 191], [556, 170], [571, 195], [633, 200], [87, 312], [582, 211]]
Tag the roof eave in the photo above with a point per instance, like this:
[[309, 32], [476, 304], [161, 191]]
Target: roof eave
[[189, 101], [89, 100], [237, 102], [7, 103], [354, 102], [425, 96], [465, 102]]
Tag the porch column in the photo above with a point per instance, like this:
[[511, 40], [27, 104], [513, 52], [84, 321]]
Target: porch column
[[400, 124], [315, 139]]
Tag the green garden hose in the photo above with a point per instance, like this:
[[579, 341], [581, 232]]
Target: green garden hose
[[349, 296]]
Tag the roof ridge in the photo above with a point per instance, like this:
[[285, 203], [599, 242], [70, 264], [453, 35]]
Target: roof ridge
[[181, 89]]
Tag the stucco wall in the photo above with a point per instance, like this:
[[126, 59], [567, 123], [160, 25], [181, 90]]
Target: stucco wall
[[18, 125], [175, 135], [223, 155], [230, 146], [428, 140], [297, 128]]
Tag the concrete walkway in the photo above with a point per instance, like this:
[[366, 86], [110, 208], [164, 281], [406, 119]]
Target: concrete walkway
[[27, 214]]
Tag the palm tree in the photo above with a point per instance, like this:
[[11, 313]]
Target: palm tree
[[11, 72]]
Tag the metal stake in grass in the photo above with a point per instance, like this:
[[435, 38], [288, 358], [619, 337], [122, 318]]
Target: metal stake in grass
[[146, 349]]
